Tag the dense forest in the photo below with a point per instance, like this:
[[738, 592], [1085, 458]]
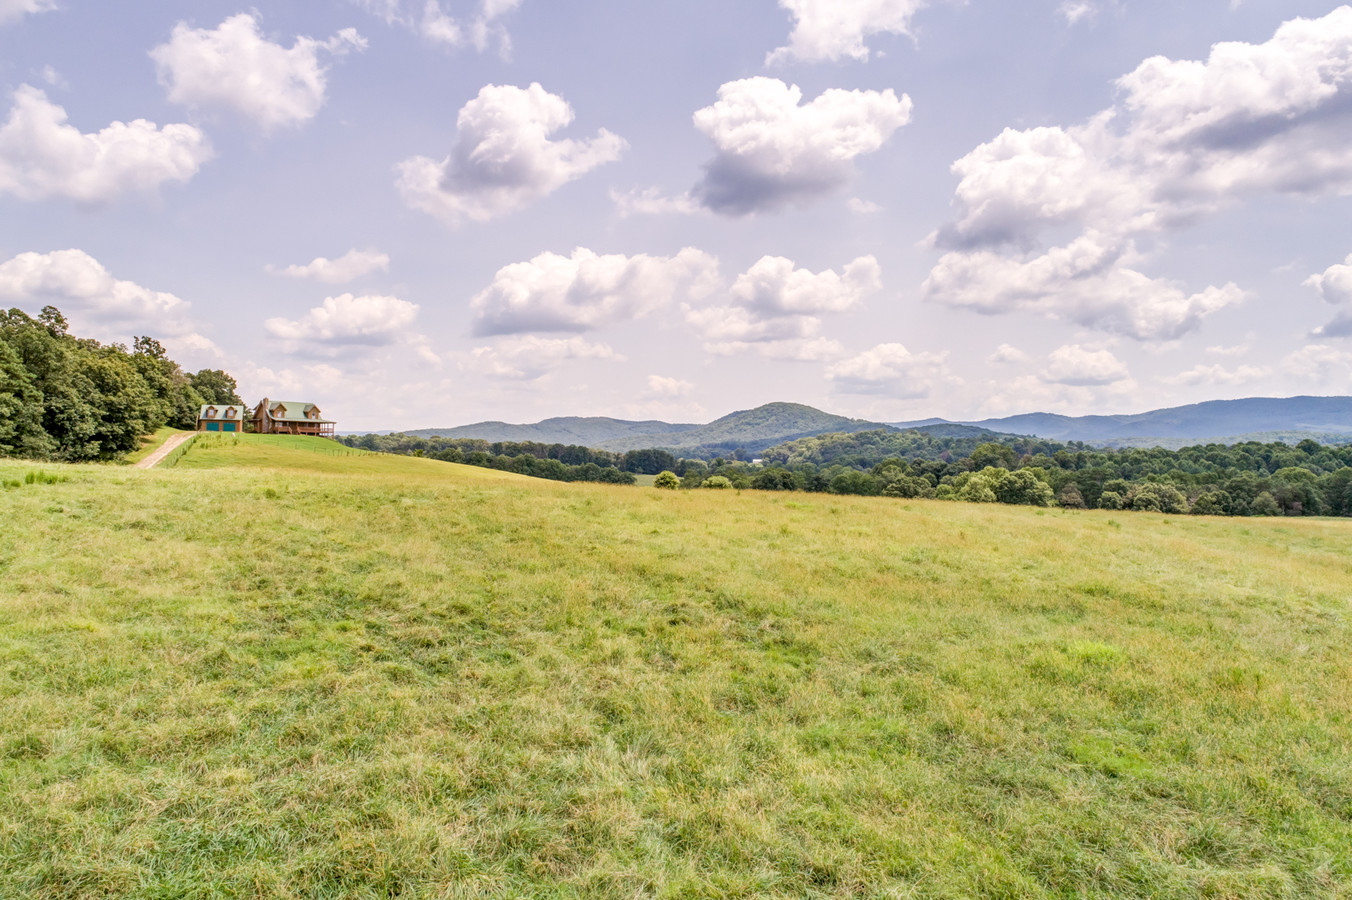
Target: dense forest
[[74, 399], [1241, 480]]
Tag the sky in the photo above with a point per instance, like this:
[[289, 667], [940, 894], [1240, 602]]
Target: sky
[[424, 213]]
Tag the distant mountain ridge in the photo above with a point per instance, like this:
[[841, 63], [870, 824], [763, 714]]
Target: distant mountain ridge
[[1325, 419], [1213, 420], [582, 431], [749, 429]]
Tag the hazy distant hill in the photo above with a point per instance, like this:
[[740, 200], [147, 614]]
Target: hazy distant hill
[[1218, 420], [584, 432], [751, 430]]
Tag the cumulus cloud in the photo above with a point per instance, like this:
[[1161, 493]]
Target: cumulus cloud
[[13, 10], [652, 202], [1335, 286], [91, 297], [42, 156], [1088, 283], [1187, 138], [834, 29], [863, 207], [1008, 355], [892, 370], [662, 386], [586, 290], [530, 357], [776, 309], [1321, 366], [774, 151], [350, 266], [1217, 375], [503, 158], [346, 322], [234, 68], [431, 21], [1084, 367]]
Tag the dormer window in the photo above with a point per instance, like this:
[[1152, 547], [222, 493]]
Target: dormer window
[[211, 412], [230, 412]]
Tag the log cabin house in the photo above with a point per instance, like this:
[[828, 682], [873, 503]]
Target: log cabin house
[[212, 417], [291, 417]]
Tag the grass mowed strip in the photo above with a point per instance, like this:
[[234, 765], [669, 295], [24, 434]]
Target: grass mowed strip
[[272, 671]]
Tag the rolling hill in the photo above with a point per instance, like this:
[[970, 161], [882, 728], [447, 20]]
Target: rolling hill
[[751, 430], [1215, 420], [1324, 419], [590, 431]]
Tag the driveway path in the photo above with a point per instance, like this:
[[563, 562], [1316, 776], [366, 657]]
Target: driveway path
[[165, 449]]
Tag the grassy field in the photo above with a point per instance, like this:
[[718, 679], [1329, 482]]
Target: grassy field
[[279, 672]]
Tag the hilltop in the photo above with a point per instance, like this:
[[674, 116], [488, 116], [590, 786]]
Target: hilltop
[[1324, 419], [751, 430]]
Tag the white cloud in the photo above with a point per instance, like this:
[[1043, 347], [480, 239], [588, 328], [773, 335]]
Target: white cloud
[[1083, 367], [529, 357], [1186, 139], [95, 301], [42, 156], [1077, 11], [801, 349], [503, 158], [779, 305], [13, 10], [893, 371], [345, 322], [1323, 368], [652, 202], [1217, 375], [773, 151], [1008, 355], [662, 386], [1335, 286], [235, 68], [431, 21], [833, 29], [1087, 283], [585, 291], [1221, 350], [350, 266], [863, 207]]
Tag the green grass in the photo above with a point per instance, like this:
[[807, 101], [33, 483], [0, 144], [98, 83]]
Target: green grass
[[276, 672], [149, 444]]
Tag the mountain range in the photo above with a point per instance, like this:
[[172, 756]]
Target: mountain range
[[1326, 419]]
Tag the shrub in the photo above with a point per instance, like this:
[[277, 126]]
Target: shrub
[[1110, 500], [1070, 497], [667, 481], [717, 482], [1265, 505]]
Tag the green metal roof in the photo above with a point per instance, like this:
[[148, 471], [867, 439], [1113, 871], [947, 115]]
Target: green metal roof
[[295, 412], [240, 411]]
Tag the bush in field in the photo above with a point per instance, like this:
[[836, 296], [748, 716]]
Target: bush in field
[[1265, 505], [1212, 503], [667, 481], [717, 482], [908, 487], [1070, 497], [775, 480], [1165, 498], [1110, 500]]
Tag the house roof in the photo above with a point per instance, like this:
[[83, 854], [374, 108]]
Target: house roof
[[240, 411], [295, 411]]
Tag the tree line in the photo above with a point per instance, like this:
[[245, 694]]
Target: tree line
[[556, 462], [73, 399], [1213, 479]]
